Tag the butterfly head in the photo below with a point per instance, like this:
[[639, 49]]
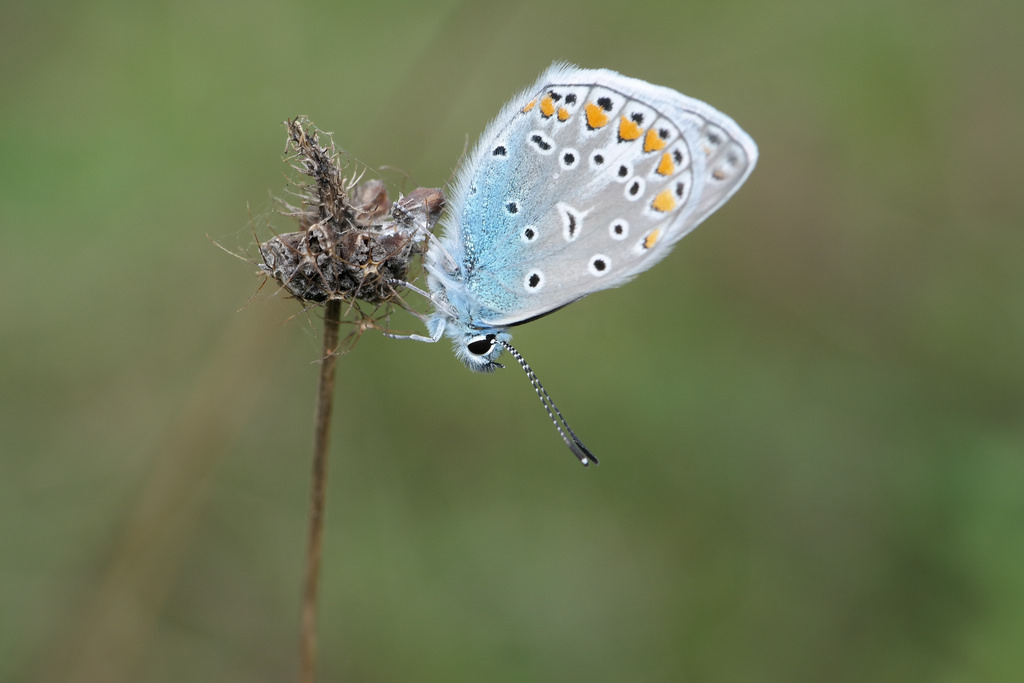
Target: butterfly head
[[480, 350]]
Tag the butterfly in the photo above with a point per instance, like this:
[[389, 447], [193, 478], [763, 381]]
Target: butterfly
[[583, 180]]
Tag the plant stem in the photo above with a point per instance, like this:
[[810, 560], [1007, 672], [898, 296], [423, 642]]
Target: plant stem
[[321, 441]]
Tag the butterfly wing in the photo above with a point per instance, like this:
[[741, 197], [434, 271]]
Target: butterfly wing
[[583, 181]]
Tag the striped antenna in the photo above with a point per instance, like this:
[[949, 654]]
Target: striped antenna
[[564, 430]]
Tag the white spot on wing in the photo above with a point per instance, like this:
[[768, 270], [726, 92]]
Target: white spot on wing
[[599, 265], [572, 221], [619, 229], [534, 281]]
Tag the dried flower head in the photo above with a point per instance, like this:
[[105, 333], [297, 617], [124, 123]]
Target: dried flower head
[[352, 245]]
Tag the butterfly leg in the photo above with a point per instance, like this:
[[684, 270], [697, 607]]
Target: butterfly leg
[[414, 337], [435, 334], [409, 285]]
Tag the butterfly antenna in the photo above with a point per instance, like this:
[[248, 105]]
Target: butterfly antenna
[[568, 436]]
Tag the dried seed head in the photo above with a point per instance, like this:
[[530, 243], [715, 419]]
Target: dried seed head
[[352, 245]]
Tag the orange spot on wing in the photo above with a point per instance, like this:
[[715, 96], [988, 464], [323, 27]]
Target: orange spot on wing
[[653, 141], [664, 202], [596, 116], [547, 106], [563, 113], [529, 105], [629, 130], [651, 239], [666, 166]]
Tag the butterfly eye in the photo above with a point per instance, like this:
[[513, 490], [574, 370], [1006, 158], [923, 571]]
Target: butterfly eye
[[481, 345]]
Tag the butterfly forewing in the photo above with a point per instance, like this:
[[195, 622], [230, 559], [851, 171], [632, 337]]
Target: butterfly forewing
[[583, 182]]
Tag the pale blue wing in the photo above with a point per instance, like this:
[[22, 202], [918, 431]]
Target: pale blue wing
[[583, 181]]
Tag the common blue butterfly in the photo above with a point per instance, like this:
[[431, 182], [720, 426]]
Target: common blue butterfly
[[584, 179]]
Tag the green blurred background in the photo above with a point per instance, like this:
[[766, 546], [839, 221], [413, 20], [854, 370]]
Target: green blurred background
[[810, 417]]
